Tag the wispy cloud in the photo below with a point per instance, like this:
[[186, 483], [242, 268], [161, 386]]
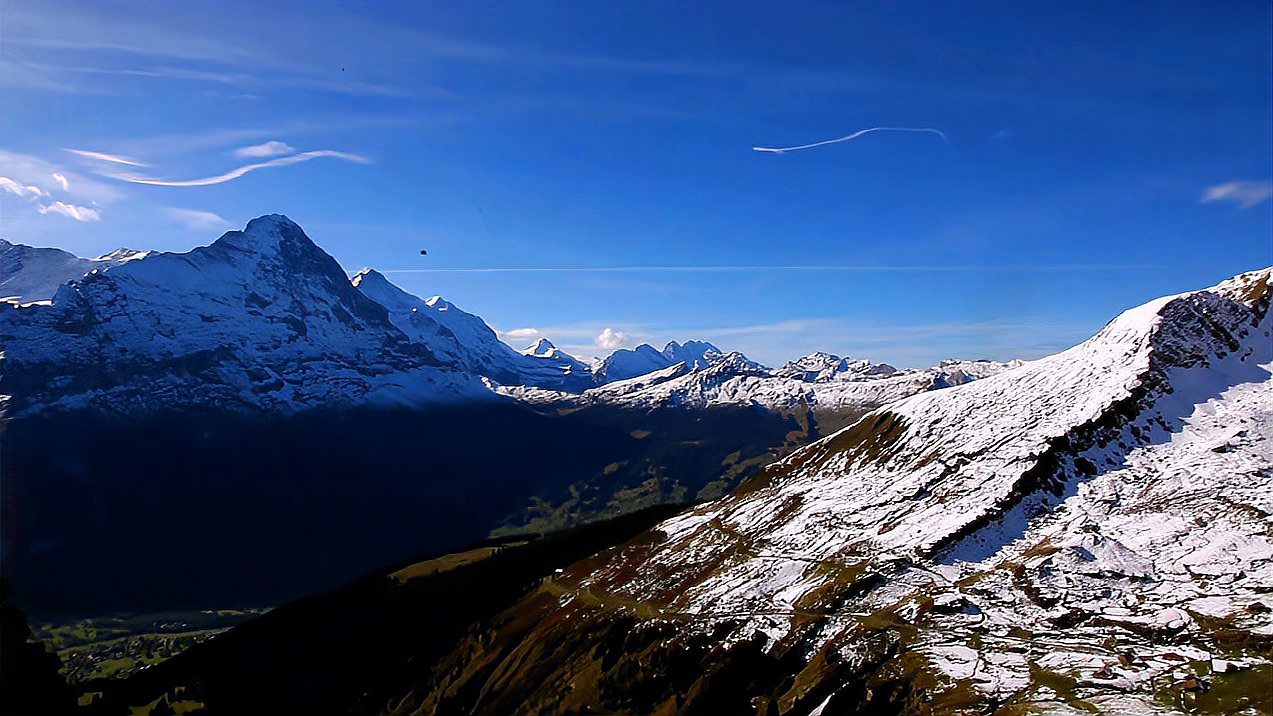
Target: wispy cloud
[[103, 156], [39, 182], [236, 173], [158, 72], [271, 148], [79, 213], [1245, 194], [609, 338], [196, 219], [31, 171], [26, 191], [855, 135]]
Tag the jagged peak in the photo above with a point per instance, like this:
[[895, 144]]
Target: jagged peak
[[674, 349], [735, 361], [268, 234]]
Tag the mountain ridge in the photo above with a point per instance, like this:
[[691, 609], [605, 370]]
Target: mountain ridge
[[271, 322]]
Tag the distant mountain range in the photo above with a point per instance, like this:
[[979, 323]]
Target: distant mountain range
[[263, 320]]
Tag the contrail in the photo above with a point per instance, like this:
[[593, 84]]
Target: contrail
[[236, 173], [738, 269], [103, 156], [855, 135]]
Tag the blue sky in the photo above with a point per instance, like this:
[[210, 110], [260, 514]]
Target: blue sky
[[1098, 155]]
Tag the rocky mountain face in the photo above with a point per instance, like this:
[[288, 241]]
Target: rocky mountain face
[[1085, 532]]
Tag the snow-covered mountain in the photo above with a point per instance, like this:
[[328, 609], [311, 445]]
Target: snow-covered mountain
[[28, 273], [544, 350], [260, 319], [627, 363], [630, 362], [824, 382], [1077, 533], [466, 342], [695, 355], [822, 367]]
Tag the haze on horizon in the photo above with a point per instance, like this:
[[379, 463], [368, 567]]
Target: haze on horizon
[[586, 172]]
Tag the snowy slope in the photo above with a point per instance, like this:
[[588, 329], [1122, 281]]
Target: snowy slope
[[260, 319], [28, 273], [1023, 532]]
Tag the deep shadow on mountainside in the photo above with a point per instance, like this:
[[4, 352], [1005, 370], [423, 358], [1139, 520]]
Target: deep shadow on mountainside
[[355, 648], [209, 510]]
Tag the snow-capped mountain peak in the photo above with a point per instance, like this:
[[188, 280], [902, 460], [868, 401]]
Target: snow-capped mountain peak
[[628, 363], [819, 367], [541, 348]]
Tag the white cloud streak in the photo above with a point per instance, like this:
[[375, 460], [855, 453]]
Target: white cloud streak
[[236, 173], [855, 135], [79, 213], [36, 172], [104, 157], [1245, 194], [36, 181], [271, 148]]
